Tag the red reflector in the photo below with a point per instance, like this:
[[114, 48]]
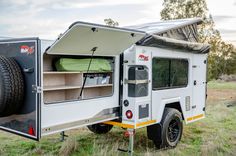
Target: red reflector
[[129, 114], [128, 133], [31, 131]]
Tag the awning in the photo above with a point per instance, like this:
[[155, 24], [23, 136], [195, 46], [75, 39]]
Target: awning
[[169, 43]]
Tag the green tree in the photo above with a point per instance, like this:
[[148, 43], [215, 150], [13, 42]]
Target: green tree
[[111, 22], [222, 55], [176, 9]]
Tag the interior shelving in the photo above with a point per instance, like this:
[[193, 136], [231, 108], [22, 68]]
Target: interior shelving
[[59, 86]]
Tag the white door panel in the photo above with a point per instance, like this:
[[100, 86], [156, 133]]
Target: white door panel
[[199, 86], [82, 37]]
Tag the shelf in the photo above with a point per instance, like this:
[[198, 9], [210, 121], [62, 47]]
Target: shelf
[[74, 72], [61, 87], [97, 86], [62, 72]]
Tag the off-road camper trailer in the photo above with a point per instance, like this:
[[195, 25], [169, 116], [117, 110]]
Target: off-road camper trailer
[[151, 75]]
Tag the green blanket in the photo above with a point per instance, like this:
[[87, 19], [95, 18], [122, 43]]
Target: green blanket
[[97, 65]]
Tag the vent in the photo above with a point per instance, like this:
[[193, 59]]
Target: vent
[[143, 111], [187, 103]]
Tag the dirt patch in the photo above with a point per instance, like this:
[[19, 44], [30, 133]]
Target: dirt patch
[[221, 94], [227, 78]]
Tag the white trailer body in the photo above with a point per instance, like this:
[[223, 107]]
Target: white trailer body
[[190, 96], [145, 80]]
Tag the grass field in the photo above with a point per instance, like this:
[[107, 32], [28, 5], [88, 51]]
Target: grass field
[[212, 136]]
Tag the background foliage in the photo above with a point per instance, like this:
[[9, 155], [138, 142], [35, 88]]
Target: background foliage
[[222, 57]]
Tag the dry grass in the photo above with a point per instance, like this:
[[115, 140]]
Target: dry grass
[[68, 147], [213, 136]]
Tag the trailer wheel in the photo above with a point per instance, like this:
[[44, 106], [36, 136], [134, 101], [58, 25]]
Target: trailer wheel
[[169, 131], [11, 86], [100, 128]]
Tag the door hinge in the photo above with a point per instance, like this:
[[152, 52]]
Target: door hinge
[[36, 89]]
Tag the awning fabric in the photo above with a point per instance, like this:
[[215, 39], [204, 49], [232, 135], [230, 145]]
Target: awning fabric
[[170, 43]]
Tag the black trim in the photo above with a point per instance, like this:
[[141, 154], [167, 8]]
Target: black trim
[[39, 77], [19, 134], [19, 39], [163, 88], [169, 78], [47, 48], [121, 84]]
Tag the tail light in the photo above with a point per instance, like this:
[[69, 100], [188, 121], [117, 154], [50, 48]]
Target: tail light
[[129, 114]]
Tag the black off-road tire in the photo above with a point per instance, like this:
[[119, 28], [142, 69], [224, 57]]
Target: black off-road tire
[[11, 86], [100, 128], [168, 133]]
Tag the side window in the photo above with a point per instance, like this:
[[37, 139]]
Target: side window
[[160, 73], [169, 73], [179, 73]]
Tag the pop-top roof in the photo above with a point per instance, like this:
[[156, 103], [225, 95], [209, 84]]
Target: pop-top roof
[[178, 34], [163, 26]]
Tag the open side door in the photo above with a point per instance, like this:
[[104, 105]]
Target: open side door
[[84, 38], [199, 85], [25, 121]]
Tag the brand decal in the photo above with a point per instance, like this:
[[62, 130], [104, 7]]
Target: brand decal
[[27, 49], [143, 57]]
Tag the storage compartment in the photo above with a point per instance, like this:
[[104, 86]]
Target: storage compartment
[[91, 79], [98, 91], [61, 95], [62, 79], [97, 79], [59, 86], [138, 81], [103, 79]]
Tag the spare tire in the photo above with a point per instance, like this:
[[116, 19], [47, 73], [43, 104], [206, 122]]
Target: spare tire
[[11, 86]]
